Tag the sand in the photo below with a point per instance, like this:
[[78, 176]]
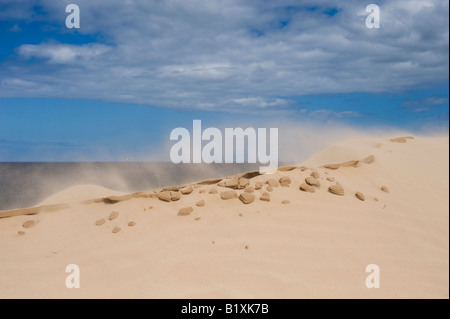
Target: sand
[[286, 244]]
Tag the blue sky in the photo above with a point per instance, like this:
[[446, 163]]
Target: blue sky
[[135, 70]]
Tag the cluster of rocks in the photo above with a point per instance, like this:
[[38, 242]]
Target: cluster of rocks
[[241, 187], [112, 216]]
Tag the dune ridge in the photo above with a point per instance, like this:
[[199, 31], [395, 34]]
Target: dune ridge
[[89, 194]]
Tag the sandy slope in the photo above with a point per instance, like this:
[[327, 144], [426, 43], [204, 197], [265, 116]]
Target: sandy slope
[[317, 245]]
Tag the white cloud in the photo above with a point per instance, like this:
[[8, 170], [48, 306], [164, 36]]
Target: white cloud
[[260, 102], [424, 104], [18, 83], [330, 115], [62, 53], [233, 55], [201, 71]]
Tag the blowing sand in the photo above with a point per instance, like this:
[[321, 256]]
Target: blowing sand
[[306, 231]]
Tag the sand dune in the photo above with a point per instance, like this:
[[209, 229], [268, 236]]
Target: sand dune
[[285, 235]]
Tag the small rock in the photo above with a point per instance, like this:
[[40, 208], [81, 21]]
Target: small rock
[[116, 229], [117, 199], [360, 196], [249, 189], [100, 222], [385, 189], [269, 188], [286, 168], [228, 195], [174, 196], [243, 182], [131, 224], [285, 181], [312, 181], [285, 202], [331, 166], [307, 188], [336, 189], [165, 196], [213, 191], [173, 188], [200, 203], [369, 159], [247, 198], [185, 211], [187, 190], [315, 175], [330, 179], [232, 183], [349, 164], [29, 224], [259, 185], [265, 197], [272, 182], [399, 140], [21, 232], [113, 215]]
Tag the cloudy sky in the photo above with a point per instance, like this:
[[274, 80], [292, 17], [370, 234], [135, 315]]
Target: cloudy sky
[[136, 69]]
